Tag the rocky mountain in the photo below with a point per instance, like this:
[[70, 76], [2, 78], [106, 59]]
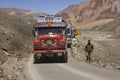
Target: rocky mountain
[[114, 25], [15, 35], [15, 44], [72, 9], [112, 11], [93, 10], [23, 14], [15, 32]]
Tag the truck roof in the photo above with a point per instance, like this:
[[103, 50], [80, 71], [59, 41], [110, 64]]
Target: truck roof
[[50, 21], [50, 24]]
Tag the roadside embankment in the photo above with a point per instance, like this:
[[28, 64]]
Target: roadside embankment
[[105, 54]]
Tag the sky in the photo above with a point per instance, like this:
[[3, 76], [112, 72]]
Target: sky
[[43, 6]]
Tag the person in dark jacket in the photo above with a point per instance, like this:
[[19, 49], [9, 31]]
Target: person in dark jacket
[[88, 49]]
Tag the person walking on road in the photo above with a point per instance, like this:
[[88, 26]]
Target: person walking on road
[[88, 49]]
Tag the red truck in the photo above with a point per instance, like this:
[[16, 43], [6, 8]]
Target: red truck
[[50, 39]]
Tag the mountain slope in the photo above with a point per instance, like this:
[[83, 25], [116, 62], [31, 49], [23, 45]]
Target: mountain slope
[[15, 40], [15, 31], [26, 15], [72, 9], [15, 44], [115, 24], [91, 11], [14, 36]]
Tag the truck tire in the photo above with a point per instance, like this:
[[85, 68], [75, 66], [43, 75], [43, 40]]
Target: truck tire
[[65, 58], [36, 59]]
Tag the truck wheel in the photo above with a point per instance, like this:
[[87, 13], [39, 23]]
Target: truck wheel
[[65, 58], [36, 59]]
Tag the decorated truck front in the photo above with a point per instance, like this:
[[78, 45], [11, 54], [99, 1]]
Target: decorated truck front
[[50, 40]]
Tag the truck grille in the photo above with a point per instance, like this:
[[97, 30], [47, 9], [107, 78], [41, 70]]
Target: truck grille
[[49, 44]]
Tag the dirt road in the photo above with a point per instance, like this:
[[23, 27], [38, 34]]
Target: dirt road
[[68, 71]]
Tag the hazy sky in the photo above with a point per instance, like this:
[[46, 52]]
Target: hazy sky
[[46, 6]]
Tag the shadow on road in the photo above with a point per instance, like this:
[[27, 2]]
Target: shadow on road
[[49, 61]]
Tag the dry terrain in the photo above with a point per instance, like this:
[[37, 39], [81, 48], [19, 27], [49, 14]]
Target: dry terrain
[[15, 41], [101, 16], [15, 44], [90, 11], [106, 50], [90, 25]]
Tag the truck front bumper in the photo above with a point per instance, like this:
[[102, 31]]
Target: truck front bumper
[[49, 51]]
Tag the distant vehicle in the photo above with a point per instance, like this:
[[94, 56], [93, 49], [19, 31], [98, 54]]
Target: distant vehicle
[[50, 39], [69, 34]]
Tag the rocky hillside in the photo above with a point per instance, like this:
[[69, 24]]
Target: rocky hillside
[[112, 11], [26, 15], [15, 35], [115, 24], [87, 12], [15, 42]]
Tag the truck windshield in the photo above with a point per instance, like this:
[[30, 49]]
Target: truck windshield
[[50, 30]]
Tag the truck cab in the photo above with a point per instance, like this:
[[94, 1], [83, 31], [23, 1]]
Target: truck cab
[[50, 40]]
